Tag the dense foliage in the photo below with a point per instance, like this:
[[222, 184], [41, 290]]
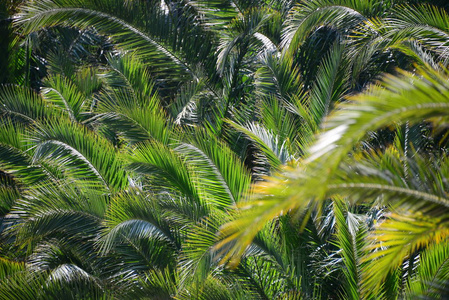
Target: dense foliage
[[247, 149]]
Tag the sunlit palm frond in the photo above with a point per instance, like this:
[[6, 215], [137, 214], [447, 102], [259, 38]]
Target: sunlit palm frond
[[306, 17], [216, 15], [23, 104], [129, 73], [166, 167], [394, 240], [14, 158], [273, 149], [278, 77], [160, 283], [22, 285], [431, 274], [129, 103], [400, 99], [9, 267], [83, 153], [222, 171], [330, 85], [243, 36], [194, 103], [137, 231], [64, 95], [112, 19], [351, 238]]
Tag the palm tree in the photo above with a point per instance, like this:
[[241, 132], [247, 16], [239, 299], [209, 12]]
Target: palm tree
[[140, 142], [412, 186]]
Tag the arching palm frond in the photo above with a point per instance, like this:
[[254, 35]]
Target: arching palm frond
[[137, 231], [244, 33], [114, 19], [216, 14], [67, 282], [84, 154], [220, 165], [431, 274], [159, 283], [273, 150], [351, 239], [415, 31], [166, 167], [129, 104], [306, 17], [195, 104], [330, 85], [400, 99], [41, 202], [23, 104], [395, 240], [278, 77], [66, 96], [14, 158]]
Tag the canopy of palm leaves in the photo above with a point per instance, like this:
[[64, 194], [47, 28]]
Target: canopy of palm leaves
[[173, 149]]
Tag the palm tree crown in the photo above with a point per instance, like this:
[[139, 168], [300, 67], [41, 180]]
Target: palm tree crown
[[179, 149]]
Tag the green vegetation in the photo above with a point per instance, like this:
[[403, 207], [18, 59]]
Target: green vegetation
[[270, 149]]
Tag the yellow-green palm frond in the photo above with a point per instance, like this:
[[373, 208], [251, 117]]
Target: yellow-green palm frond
[[398, 99]]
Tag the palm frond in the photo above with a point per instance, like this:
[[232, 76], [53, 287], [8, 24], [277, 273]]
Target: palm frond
[[244, 33], [128, 72], [278, 76], [400, 99], [167, 167], [432, 273], [65, 95], [351, 235], [132, 216], [199, 260], [394, 240], [216, 15], [308, 16], [22, 285], [330, 85], [129, 104], [160, 283], [83, 153], [109, 18], [220, 171], [23, 104], [14, 158], [8, 268], [48, 223], [273, 148]]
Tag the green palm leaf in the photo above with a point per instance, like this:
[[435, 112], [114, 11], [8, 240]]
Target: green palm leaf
[[351, 238], [222, 170], [14, 158], [431, 274], [398, 100], [394, 240], [65, 95], [23, 104], [310, 15], [134, 220], [110, 18], [83, 153]]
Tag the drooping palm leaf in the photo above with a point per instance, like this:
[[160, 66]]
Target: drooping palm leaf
[[65, 95], [129, 104], [398, 100], [216, 163], [83, 153], [23, 104], [432, 273]]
